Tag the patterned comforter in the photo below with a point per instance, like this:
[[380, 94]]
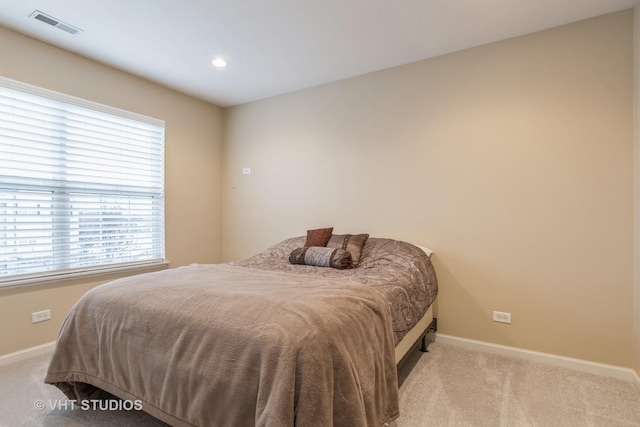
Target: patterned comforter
[[401, 272]]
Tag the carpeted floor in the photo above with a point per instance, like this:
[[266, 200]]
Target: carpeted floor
[[449, 386], [452, 386]]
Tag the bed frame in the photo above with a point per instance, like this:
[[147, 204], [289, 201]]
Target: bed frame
[[416, 337]]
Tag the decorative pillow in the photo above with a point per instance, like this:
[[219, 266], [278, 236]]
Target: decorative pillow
[[321, 257], [318, 237], [350, 243]]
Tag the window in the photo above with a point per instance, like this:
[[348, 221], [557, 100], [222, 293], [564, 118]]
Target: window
[[81, 185]]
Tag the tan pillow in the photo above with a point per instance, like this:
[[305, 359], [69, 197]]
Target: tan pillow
[[318, 237], [321, 257], [352, 243]]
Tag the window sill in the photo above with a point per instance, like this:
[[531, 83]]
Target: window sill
[[129, 269]]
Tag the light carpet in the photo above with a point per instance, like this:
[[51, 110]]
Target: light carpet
[[449, 386]]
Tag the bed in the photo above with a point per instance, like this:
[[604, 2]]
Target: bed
[[260, 341]]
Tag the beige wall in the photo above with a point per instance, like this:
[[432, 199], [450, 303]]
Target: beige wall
[[193, 171], [512, 161], [636, 169]]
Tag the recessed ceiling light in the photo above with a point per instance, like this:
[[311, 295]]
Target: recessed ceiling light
[[219, 62]]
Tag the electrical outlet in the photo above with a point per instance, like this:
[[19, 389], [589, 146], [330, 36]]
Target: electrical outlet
[[40, 316], [246, 171], [502, 317]]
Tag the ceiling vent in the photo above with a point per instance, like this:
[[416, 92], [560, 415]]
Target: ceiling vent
[[54, 22]]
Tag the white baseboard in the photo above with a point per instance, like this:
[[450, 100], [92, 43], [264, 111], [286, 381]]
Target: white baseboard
[[544, 358], [636, 380], [27, 353]]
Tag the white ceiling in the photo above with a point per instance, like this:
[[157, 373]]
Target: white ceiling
[[280, 46]]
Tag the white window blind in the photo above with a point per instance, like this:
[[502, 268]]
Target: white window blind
[[81, 185]]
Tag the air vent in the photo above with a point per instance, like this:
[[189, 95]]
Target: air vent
[[54, 22]]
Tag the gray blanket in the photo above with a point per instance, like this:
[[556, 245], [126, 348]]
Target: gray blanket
[[230, 345]]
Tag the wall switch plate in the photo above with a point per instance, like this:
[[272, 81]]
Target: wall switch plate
[[502, 317], [246, 171], [40, 316]]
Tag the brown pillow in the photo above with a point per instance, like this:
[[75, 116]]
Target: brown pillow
[[350, 243], [321, 257], [318, 237]]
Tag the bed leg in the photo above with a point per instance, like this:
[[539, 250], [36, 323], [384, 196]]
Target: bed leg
[[423, 347], [433, 327]]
